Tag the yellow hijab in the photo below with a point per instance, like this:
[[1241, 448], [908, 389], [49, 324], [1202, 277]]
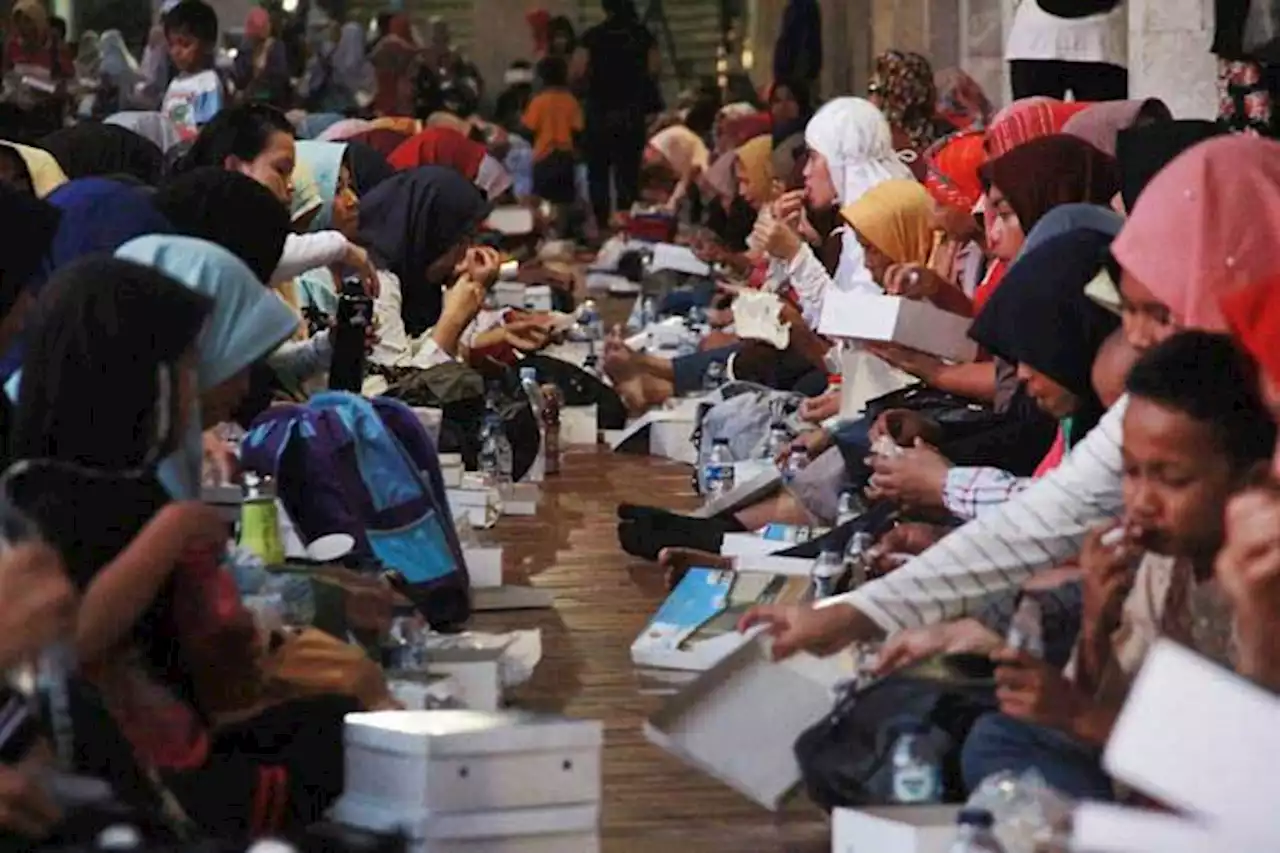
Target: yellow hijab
[[894, 217], [755, 166], [46, 174]]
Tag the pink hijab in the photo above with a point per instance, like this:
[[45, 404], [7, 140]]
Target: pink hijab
[[1205, 227], [1101, 123], [343, 130]]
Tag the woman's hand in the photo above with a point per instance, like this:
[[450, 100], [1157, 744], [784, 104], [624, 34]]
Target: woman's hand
[[219, 458], [192, 524], [481, 264], [776, 237], [463, 301], [815, 410], [911, 538], [39, 601], [914, 478], [814, 443], [1033, 691], [913, 281], [918, 364], [25, 806], [357, 259], [790, 210], [528, 335], [909, 647]]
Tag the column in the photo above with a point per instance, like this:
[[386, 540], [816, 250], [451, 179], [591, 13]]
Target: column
[[1169, 56]]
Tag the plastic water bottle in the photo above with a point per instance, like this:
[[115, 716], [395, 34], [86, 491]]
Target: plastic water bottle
[[714, 377], [1026, 630], [778, 440], [532, 390], [648, 312], [849, 508], [719, 471], [796, 463], [825, 575], [490, 458], [917, 776], [590, 323], [855, 558], [973, 833]]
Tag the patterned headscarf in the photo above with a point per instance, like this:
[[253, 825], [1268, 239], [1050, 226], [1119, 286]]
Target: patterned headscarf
[[908, 96], [961, 100], [1028, 119], [953, 163]]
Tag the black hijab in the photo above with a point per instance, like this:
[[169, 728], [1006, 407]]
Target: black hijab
[[229, 209], [1144, 150], [29, 227], [1040, 317], [100, 150], [368, 166], [804, 97], [412, 220]]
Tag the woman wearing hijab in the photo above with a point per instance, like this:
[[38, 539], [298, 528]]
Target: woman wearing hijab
[[955, 188], [261, 71], [102, 150], [381, 139], [961, 101], [790, 108], [438, 146], [25, 244], [1028, 119], [156, 127], [368, 167], [1219, 204], [1144, 150], [893, 224], [1100, 124], [395, 60], [903, 88], [850, 151], [43, 172]]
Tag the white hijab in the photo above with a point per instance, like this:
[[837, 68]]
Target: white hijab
[[857, 143]]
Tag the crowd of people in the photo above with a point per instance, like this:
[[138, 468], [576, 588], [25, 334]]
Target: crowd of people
[[170, 275]]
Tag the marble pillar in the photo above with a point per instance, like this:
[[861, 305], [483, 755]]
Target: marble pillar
[[1169, 56]]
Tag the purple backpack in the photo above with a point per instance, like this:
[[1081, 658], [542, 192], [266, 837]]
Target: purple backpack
[[344, 464]]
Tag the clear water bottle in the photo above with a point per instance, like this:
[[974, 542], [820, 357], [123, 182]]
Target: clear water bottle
[[973, 833], [917, 773], [718, 476], [796, 463], [778, 440], [1026, 631], [714, 377], [855, 558], [589, 321], [506, 455], [825, 575], [532, 390], [648, 312], [849, 508], [490, 462]]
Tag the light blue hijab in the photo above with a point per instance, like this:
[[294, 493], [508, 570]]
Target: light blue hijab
[[248, 322], [324, 159], [1072, 217]]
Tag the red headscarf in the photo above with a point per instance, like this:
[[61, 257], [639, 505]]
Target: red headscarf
[[539, 21], [440, 146], [1028, 119], [1253, 313], [381, 139], [952, 170]]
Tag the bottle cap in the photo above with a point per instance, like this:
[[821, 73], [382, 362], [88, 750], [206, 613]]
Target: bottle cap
[[527, 373], [980, 818]]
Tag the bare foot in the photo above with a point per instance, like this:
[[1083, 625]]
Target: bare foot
[[625, 370]]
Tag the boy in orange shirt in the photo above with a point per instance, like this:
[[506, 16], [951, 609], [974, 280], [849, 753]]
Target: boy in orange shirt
[[554, 123]]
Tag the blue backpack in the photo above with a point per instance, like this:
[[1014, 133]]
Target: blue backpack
[[344, 464]]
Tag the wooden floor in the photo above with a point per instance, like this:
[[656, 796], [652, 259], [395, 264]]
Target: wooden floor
[[603, 600]]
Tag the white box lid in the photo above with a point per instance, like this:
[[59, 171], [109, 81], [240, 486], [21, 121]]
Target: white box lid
[[458, 733], [503, 823]]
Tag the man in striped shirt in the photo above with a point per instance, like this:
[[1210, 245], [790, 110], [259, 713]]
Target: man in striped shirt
[[980, 565]]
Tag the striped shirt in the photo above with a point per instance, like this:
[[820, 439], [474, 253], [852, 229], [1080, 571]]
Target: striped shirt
[[985, 562], [968, 492]]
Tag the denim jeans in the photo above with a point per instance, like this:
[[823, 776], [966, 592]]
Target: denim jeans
[[690, 370], [998, 742]]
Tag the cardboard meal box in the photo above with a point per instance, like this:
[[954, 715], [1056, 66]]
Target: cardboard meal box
[[433, 763], [770, 539], [511, 220], [738, 722], [911, 323], [894, 829], [697, 625], [568, 829]]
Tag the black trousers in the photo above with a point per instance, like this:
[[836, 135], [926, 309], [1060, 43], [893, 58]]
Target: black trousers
[[1051, 78], [615, 141]]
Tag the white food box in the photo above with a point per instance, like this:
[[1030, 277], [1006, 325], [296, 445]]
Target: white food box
[[415, 694], [431, 419], [509, 294], [894, 829], [1107, 828], [670, 256], [452, 469], [669, 431], [579, 425], [511, 220], [476, 672], [537, 297], [911, 323], [520, 500], [567, 829], [484, 566], [478, 506], [738, 722], [445, 762]]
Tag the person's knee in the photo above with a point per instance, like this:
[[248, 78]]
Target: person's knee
[[991, 746]]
